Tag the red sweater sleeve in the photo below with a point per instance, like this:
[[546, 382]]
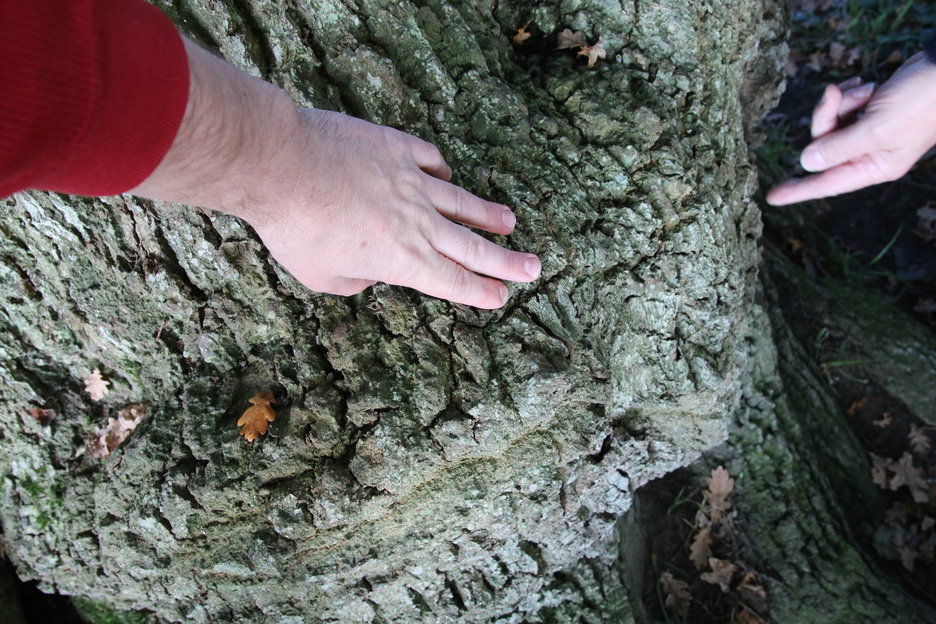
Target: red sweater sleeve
[[92, 93]]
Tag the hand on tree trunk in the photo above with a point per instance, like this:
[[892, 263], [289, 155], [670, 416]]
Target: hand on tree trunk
[[341, 203]]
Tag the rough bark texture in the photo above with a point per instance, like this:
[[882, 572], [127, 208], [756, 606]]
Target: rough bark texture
[[428, 463]]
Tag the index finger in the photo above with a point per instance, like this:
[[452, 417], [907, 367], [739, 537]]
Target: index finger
[[849, 144], [843, 178], [428, 158]]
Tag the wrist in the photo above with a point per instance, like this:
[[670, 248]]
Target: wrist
[[226, 145]]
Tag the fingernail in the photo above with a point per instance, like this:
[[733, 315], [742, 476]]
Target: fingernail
[[510, 219], [533, 267], [812, 159], [865, 91]]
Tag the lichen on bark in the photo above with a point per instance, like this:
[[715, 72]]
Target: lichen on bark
[[428, 462]]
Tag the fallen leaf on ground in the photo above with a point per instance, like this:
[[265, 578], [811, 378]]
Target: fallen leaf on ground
[[677, 594], [104, 440], [894, 57], [816, 60], [905, 473], [879, 471], [857, 405], [257, 417], [721, 574], [919, 439], [907, 557], [593, 52], [700, 551], [836, 52], [44, 416], [752, 592], [720, 485], [569, 39], [522, 35], [95, 385]]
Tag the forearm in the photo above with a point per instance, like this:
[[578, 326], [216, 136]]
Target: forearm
[[227, 139]]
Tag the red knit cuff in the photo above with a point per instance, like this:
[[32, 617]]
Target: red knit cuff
[[104, 99]]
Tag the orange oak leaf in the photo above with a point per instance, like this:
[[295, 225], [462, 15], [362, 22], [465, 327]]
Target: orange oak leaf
[[857, 405], [44, 416], [522, 34], [257, 417]]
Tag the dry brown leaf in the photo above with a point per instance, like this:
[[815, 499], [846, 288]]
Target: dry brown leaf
[[677, 594], [569, 39], [95, 385], [919, 439], [885, 420], [816, 60], [836, 52], [897, 514], [44, 416], [753, 593], [720, 485], [854, 55], [894, 58], [905, 473], [879, 471], [907, 557], [522, 34], [722, 573], [700, 551], [256, 418], [857, 405], [104, 440], [593, 52]]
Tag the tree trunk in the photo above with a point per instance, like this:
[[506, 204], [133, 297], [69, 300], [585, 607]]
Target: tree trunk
[[429, 462]]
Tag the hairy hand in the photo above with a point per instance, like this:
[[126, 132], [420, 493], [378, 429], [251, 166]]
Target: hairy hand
[[360, 203], [341, 203], [896, 124]]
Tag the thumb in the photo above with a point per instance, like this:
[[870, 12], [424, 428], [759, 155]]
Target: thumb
[[839, 147]]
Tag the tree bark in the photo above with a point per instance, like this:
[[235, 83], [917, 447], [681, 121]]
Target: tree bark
[[428, 462]]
